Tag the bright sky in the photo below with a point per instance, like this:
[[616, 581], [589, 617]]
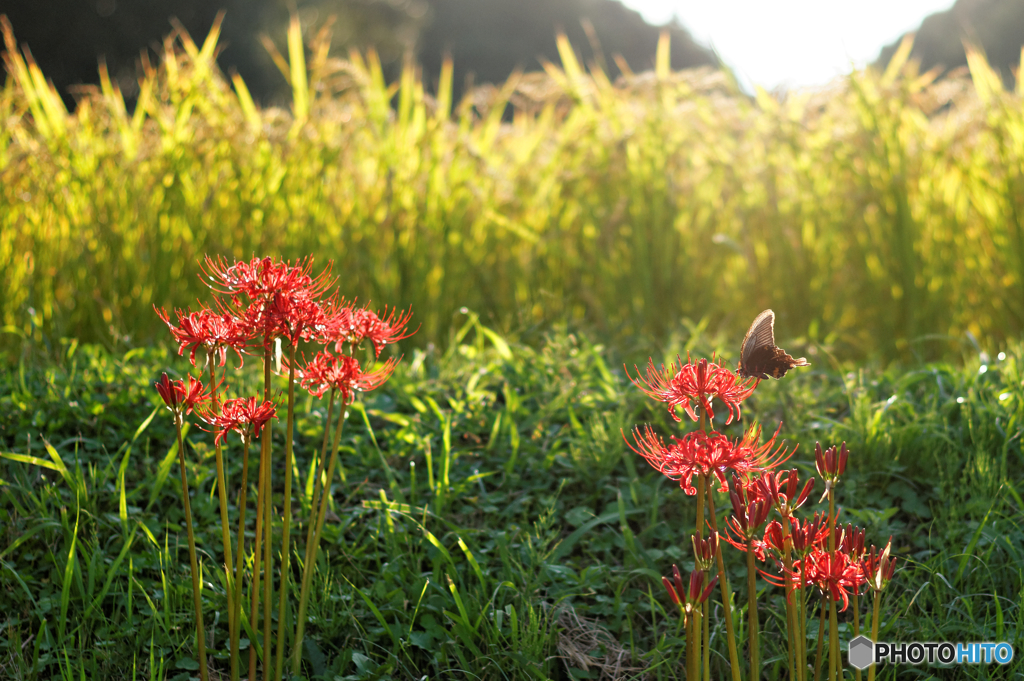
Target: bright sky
[[792, 42]]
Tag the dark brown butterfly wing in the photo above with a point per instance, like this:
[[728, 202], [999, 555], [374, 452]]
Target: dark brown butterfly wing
[[759, 356], [760, 334]]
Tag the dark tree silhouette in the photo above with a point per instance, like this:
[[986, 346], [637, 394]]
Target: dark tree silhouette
[[489, 38], [997, 26]]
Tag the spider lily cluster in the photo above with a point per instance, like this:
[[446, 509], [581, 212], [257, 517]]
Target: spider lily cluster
[[265, 308], [807, 557]]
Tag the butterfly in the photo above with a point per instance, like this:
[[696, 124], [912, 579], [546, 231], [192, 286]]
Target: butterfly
[[759, 356]]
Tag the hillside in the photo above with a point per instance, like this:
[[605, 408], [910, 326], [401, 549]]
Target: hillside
[[489, 38], [997, 26]]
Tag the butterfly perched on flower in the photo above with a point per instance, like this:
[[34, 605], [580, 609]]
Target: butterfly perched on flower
[[759, 356]]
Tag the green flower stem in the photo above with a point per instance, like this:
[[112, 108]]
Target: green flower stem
[[821, 640], [856, 627], [752, 623], [268, 536], [723, 582], [262, 492], [699, 612], [225, 525], [792, 621], [874, 628], [703, 624], [197, 594], [833, 622], [833, 640], [286, 520], [792, 638], [706, 623], [801, 631], [254, 606], [239, 557], [310, 556], [691, 642]]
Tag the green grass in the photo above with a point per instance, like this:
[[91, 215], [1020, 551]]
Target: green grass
[[492, 523], [880, 216]]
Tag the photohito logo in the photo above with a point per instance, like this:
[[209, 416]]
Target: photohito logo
[[863, 652]]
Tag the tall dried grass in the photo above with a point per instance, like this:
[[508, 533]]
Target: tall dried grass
[[882, 211]]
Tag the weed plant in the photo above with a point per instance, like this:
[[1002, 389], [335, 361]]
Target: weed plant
[[880, 215], [491, 522]]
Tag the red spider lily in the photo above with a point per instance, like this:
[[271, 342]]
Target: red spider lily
[[262, 277], [179, 397], [215, 332], [282, 297], [343, 373], [774, 539], [831, 464], [290, 317], [747, 518], [704, 550], [688, 599], [707, 453], [748, 490], [877, 568], [761, 457], [850, 540], [781, 489], [354, 325], [675, 591], [757, 545], [678, 386], [833, 573], [242, 415], [809, 534]]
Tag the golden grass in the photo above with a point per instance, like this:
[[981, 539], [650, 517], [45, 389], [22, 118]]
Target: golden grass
[[881, 211]]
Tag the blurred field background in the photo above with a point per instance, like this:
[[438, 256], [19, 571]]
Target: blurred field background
[[880, 216]]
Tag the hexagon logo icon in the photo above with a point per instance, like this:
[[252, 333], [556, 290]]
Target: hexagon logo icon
[[861, 652]]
